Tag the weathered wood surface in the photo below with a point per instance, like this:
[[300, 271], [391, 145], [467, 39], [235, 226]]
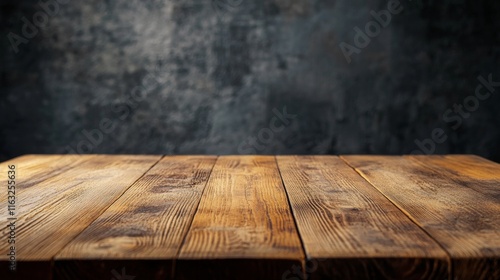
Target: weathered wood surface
[[464, 221], [148, 222], [472, 172], [354, 230], [51, 212], [253, 217], [243, 219]]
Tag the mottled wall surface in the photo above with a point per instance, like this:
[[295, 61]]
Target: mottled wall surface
[[214, 77]]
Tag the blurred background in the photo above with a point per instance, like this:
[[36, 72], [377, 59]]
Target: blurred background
[[240, 76]]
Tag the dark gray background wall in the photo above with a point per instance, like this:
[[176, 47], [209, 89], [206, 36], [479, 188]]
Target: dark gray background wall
[[180, 77]]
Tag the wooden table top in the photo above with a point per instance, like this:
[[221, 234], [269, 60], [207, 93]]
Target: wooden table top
[[251, 217]]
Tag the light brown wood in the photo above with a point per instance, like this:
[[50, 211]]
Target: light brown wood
[[66, 203], [30, 171], [34, 169], [243, 228], [393, 217], [465, 222], [355, 231], [473, 172], [147, 223]]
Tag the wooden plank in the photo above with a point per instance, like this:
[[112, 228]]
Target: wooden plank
[[469, 171], [64, 205], [350, 230], [465, 222], [243, 228], [31, 170], [30, 161], [143, 230]]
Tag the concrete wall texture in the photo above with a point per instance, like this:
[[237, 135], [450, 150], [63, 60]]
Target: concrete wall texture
[[240, 76]]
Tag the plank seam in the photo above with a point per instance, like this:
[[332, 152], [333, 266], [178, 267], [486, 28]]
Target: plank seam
[[56, 173], [449, 259], [177, 255], [65, 170], [102, 212], [303, 261]]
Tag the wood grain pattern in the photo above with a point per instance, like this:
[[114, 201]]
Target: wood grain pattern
[[243, 228], [147, 223], [66, 203], [34, 169], [31, 170], [482, 176], [465, 222], [469, 171], [238, 217], [352, 228]]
